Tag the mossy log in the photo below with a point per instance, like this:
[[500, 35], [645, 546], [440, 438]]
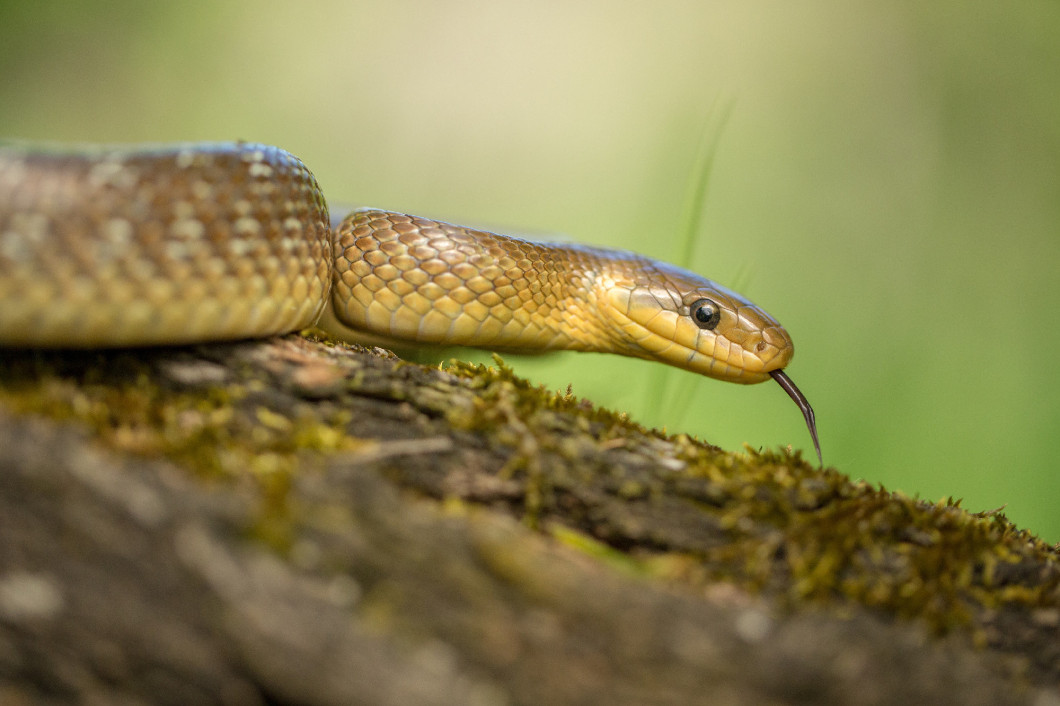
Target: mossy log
[[298, 522]]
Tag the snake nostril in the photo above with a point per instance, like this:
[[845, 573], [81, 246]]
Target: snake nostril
[[760, 346]]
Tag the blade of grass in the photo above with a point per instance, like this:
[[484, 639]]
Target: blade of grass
[[661, 379]]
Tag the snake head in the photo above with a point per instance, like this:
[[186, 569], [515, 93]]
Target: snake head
[[677, 317], [674, 316]]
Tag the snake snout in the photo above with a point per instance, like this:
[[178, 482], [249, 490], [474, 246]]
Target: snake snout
[[774, 349]]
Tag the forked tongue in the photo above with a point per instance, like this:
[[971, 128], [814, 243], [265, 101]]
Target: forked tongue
[[804, 405]]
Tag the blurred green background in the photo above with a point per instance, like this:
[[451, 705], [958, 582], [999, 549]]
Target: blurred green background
[[886, 183]]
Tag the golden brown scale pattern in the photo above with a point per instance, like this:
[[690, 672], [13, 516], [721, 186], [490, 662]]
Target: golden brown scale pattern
[[162, 245], [416, 279]]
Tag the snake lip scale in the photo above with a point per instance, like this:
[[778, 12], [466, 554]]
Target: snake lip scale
[[185, 243]]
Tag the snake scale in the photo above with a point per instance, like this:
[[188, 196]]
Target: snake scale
[[176, 244]]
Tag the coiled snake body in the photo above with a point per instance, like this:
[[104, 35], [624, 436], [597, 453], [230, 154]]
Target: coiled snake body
[[191, 243]]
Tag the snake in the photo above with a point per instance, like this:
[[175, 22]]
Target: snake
[[175, 244]]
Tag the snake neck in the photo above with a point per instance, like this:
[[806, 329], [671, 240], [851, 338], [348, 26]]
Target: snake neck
[[569, 306], [419, 280]]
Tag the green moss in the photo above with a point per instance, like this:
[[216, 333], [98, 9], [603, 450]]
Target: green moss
[[832, 539], [795, 531], [502, 392], [584, 544], [526, 418]]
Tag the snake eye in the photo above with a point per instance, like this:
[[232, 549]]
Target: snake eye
[[705, 313]]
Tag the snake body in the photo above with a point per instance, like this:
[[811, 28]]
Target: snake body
[[198, 242]]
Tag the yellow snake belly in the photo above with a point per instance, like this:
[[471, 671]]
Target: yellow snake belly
[[201, 242]]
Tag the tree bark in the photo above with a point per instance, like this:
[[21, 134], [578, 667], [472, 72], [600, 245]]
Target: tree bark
[[295, 522]]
